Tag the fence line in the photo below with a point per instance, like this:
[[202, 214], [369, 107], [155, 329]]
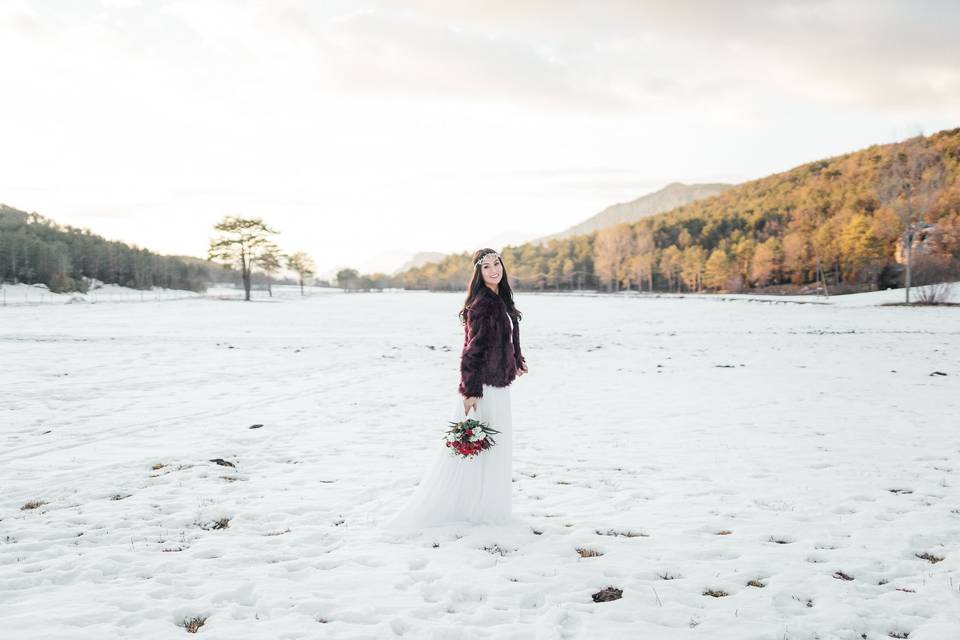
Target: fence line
[[24, 296]]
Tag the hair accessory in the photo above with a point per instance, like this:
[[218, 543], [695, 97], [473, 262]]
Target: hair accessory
[[492, 253]]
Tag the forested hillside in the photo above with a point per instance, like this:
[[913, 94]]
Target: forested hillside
[[34, 249], [834, 213]]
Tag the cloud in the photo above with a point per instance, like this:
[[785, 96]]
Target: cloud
[[614, 56], [870, 54]]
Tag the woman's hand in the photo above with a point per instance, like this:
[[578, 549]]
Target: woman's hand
[[468, 403], [522, 370]]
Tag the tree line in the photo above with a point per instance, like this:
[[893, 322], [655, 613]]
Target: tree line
[[883, 216], [35, 249]]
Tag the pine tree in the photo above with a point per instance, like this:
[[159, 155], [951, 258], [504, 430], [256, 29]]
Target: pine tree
[[242, 243]]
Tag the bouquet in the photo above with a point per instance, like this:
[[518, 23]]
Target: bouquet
[[469, 437]]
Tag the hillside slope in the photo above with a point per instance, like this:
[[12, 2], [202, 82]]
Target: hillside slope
[[670, 197]]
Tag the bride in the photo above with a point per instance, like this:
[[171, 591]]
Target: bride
[[476, 489]]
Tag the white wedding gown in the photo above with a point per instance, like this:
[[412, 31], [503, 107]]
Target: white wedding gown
[[456, 490]]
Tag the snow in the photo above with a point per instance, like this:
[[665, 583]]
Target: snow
[[818, 436]]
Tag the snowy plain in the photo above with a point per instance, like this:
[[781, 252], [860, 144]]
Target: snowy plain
[[699, 444]]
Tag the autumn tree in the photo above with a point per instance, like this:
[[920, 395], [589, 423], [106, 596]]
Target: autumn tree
[[611, 249], [692, 261], [797, 256], [719, 271], [826, 249], [743, 256], [766, 261], [910, 185], [671, 264], [641, 261], [242, 244], [862, 250], [641, 269], [301, 264]]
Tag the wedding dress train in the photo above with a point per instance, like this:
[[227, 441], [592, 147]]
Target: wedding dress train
[[472, 490]]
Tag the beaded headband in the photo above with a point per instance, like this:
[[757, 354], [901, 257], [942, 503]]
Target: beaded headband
[[492, 253]]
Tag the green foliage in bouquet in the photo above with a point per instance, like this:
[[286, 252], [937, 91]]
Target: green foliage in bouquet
[[469, 437]]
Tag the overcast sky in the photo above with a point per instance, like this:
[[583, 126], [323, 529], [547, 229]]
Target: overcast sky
[[368, 130]]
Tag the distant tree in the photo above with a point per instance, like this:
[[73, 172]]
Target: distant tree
[[797, 255], [611, 249], [671, 264], [242, 243], [826, 247], [910, 185], [947, 237], [641, 266], [270, 262], [863, 251], [302, 265], [766, 262], [642, 260], [719, 271], [743, 252], [348, 279], [692, 261], [567, 272]]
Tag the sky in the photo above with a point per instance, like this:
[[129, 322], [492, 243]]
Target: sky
[[366, 131]]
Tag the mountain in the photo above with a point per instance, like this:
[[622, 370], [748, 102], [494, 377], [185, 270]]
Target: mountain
[[418, 260], [836, 222], [508, 238], [383, 262], [406, 261], [670, 197]]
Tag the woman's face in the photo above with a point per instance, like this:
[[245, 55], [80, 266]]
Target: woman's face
[[492, 269]]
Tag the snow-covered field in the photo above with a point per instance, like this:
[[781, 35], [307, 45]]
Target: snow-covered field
[[811, 451]]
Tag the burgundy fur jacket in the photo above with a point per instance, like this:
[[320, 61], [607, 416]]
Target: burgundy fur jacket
[[491, 346]]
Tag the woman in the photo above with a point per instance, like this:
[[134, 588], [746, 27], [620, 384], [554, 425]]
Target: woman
[[476, 489]]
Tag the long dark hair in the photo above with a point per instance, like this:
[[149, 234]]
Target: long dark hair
[[476, 286]]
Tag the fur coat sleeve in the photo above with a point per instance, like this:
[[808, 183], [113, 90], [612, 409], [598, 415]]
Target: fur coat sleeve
[[491, 348], [478, 331]]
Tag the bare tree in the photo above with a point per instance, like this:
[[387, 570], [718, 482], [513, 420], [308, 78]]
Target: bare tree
[[933, 276], [303, 265], [910, 185], [242, 243]]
